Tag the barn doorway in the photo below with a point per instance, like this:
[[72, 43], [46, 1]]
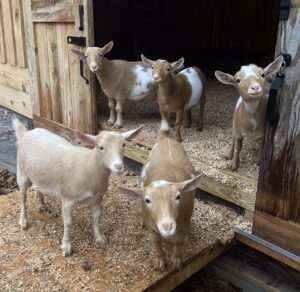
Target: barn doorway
[[213, 35]]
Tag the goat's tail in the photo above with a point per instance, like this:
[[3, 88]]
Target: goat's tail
[[20, 129]]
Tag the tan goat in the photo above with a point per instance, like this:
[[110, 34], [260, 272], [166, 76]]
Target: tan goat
[[120, 80], [72, 173], [249, 117], [178, 92], [167, 194]]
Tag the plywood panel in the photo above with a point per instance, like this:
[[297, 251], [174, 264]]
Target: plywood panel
[[2, 37], [18, 24], [52, 11], [9, 32]]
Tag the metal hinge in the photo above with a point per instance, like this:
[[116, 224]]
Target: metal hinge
[[78, 41], [81, 12], [284, 9]]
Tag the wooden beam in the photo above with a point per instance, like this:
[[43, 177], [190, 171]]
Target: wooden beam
[[218, 189], [269, 249], [284, 233], [16, 101], [190, 267]]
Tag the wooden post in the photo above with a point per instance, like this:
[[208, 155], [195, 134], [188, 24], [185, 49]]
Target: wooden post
[[277, 215]]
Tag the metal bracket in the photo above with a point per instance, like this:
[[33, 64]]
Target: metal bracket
[[284, 9], [78, 41], [81, 12], [81, 71], [287, 59]]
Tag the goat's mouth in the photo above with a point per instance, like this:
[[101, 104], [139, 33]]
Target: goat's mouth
[[255, 94], [94, 70]]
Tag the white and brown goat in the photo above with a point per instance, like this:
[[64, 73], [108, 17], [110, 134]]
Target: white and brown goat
[[167, 194], [74, 174], [178, 92], [120, 80], [249, 117]]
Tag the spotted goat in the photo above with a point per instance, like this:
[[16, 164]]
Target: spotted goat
[[178, 92], [249, 118], [120, 80]]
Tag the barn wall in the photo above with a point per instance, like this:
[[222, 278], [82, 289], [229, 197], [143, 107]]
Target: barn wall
[[14, 75]]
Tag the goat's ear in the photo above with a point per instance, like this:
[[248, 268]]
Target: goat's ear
[[78, 52], [178, 65], [191, 185], [85, 138], [273, 67], [107, 48], [132, 194], [132, 133], [226, 78], [147, 62]]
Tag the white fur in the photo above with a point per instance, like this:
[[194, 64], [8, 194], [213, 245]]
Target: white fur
[[240, 100], [143, 79], [164, 125], [196, 84], [248, 70], [159, 183], [166, 233]]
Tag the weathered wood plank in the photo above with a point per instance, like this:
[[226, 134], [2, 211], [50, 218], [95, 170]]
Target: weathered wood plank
[[2, 37], [16, 100], [279, 179], [52, 11], [17, 78], [32, 58], [18, 24], [9, 32], [285, 234], [190, 267], [269, 249]]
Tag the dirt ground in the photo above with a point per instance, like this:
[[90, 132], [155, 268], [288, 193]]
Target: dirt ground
[[31, 260], [204, 148]]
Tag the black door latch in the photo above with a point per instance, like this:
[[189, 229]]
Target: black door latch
[[78, 41]]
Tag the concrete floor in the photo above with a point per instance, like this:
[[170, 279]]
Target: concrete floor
[[8, 139]]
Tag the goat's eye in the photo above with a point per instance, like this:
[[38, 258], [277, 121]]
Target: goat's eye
[[177, 197], [168, 69], [147, 201], [152, 67], [85, 57], [101, 148], [263, 75], [238, 80], [100, 55], [124, 144]]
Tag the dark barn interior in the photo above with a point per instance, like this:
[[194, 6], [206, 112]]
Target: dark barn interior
[[215, 34]]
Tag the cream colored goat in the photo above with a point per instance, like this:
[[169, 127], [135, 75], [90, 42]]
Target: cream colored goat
[[72, 173], [167, 194], [120, 80], [249, 117], [178, 92]]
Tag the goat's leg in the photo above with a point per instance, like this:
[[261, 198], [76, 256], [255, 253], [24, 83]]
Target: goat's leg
[[230, 152], [96, 213], [112, 111], [235, 162], [188, 120], [160, 258], [119, 109], [177, 249], [40, 201], [67, 219], [201, 111], [23, 183], [179, 119]]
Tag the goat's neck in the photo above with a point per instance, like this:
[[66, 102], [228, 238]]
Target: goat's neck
[[255, 108], [105, 71], [167, 87]]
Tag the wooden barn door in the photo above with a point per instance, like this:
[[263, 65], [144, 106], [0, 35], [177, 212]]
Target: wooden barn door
[[62, 98], [277, 215]]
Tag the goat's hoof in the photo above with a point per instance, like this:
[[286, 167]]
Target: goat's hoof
[[177, 262], [110, 122], [160, 264], [41, 208], [187, 126], [101, 240], [233, 166], [226, 157], [23, 224], [66, 249], [118, 126], [200, 129], [178, 139]]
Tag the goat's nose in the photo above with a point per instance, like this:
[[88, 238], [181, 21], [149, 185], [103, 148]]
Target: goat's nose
[[119, 166], [155, 77], [93, 66], [255, 87], [167, 226]]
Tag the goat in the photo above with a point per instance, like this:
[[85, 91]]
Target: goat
[[74, 174], [178, 92], [249, 118], [167, 194], [119, 80]]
